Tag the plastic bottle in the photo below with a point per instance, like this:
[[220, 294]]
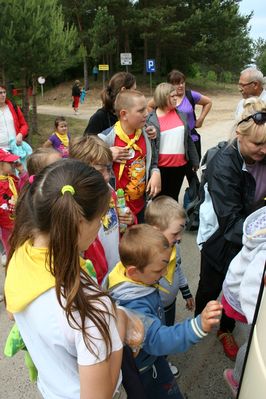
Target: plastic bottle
[[121, 207]]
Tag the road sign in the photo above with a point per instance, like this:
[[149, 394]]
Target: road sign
[[41, 80], [103, 67], [126, 58], [150, 66]]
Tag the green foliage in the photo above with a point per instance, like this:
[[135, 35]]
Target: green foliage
[[34, 38], [226, 77], [103, 36], [260, 54], [211, 76]]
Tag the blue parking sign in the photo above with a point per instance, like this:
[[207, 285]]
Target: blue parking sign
[[150, 66]]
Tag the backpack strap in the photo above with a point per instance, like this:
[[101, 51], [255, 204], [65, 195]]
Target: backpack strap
[[192, 102]]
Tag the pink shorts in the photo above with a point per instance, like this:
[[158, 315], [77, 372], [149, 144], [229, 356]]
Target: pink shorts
[[231, 312]]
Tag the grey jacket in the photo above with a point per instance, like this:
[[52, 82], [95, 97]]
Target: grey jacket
[[152, 154], [190, 149]]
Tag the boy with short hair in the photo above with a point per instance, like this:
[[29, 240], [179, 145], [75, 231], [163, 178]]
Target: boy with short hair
[[167, 215], [145, 253], [136, 168]]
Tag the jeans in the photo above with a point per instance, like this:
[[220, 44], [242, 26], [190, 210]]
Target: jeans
[[159, 382]]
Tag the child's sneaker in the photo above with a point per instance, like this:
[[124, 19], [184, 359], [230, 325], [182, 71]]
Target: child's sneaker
[[174, 370], [231, 382], [229, 344]]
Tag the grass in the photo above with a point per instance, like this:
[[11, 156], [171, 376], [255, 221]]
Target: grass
[[46, 128]]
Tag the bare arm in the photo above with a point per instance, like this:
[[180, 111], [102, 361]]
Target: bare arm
[[206, 104], [99, 381], [47, 144]]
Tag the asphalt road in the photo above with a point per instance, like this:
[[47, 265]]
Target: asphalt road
[[202, 366]]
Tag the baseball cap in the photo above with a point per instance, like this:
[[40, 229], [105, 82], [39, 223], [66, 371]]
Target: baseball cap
[[6, 156]]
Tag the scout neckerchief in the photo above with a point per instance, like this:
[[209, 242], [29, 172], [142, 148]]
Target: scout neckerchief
[[130, 143], [11, 184], [63, 138]]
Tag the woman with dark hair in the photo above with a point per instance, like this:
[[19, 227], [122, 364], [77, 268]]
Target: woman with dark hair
[[105, 116], [12, 121]]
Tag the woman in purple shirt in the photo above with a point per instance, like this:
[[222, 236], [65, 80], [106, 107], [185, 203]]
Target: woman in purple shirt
[[187, 99]]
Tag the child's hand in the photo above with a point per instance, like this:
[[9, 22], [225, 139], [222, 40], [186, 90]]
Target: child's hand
[[127, 218], [190, 303], [120, 154], [151, 132], [154, 184], [210, 315]]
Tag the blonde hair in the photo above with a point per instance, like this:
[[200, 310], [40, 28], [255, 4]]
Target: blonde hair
[[162, 211], [126, 100], [91, 150], [140, 244], [250, 128], [39, 159], [161, 94]]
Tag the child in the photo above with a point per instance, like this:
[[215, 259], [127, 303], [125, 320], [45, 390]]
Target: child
[[82, 95], [59, 140], [76, 96], [65, 320], [40, 158], [165, 214], [10, 186], [145, 254], [242, 283], [135, 166], [104, 250]]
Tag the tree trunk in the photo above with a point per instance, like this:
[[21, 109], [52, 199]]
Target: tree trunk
[[86, 75], [34, 120], [25, 97], [158, 58], [145, 54]]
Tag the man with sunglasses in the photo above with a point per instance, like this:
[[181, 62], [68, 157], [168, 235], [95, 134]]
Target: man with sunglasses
[[250, 84]]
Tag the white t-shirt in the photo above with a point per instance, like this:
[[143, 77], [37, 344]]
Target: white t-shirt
[[240, 109], [57, 349], [7, 127]]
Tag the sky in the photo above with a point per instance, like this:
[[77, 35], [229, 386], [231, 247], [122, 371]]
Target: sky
[[258, 21]]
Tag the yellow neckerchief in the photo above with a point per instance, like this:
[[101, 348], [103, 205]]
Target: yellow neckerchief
[[130, 143], [12, 185], [63, 138], [28, 276], [118, 275], [171, 267]]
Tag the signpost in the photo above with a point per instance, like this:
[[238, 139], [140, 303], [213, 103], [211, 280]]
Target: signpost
[[150, 68], [41, 81], [103, 67], [126, 59]]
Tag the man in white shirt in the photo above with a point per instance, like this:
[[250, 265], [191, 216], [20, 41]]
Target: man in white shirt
[[250, 85]]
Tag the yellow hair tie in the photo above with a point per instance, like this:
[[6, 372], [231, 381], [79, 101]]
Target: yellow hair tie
[[67, 188]]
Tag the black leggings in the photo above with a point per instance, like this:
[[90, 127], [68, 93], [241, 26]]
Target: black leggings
[[209, 288], [172, 179]]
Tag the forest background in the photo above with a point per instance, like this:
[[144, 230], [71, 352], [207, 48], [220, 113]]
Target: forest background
[[63, 39]]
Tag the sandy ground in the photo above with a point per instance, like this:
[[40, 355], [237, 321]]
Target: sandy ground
[[202, 366]]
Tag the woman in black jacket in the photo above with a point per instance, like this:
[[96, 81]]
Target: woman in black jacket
[[236, 186]]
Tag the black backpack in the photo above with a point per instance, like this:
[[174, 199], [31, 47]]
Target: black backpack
[[194, 194]]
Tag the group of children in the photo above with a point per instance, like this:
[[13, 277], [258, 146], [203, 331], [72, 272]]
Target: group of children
[[67, 321]]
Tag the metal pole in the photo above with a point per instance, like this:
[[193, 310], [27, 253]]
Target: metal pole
[[103, 78], [42, 90], [151, 83]]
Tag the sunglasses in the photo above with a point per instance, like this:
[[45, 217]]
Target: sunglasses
[[259, 118]]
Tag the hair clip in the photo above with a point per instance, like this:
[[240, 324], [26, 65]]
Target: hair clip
[[68, 188], [31, 179]]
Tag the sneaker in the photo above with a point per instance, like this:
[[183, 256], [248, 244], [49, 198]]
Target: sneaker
[[174, 370], [231, 382], [229, 344]]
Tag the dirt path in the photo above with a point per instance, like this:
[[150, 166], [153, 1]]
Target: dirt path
[[202, 366]]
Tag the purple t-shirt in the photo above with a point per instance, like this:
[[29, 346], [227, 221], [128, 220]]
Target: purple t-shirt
[[258, 171], [59, 146], [187, 109]]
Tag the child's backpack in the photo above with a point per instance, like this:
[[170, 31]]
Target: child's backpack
[[194, 194]]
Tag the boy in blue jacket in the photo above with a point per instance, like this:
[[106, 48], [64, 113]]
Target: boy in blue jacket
[[133, 283]]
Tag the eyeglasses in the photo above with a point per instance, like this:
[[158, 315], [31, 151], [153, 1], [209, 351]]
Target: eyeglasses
[[245, 84], [259, 118], [2, 92]]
